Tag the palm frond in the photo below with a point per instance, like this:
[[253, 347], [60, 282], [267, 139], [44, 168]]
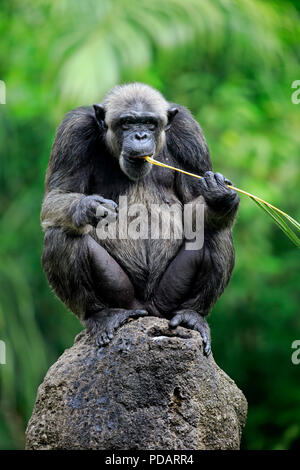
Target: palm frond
[[127, 35], [281, 223]]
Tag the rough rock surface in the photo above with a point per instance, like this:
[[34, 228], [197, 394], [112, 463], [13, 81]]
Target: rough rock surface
[[150, 388]]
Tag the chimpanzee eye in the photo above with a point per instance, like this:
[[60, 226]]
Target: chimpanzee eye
[[126, 125], [151, 125]]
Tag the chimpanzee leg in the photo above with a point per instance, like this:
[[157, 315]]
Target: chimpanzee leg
[[193, 282], [116, 290], [90, 282]]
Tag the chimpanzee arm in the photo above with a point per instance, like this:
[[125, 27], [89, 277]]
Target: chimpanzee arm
[[74, 212], [189, 151], [58, 209], [81, 272], [67, 201]]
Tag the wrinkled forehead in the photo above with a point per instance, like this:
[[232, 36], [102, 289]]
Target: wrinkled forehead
[[122, 100]]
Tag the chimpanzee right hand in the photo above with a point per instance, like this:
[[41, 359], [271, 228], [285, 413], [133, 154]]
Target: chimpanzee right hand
[[91, 209]]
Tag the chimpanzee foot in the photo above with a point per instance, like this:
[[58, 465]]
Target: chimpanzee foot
[[194, 321], [104, 324]]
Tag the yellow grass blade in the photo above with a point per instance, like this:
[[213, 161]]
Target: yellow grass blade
[[280, 222]]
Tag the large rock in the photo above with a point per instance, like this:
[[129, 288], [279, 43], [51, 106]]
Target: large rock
[[150, 388]]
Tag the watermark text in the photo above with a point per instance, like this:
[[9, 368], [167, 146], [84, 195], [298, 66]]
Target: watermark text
[[2, 352], [296, 94], [155, 221], [2, 92], [296, 354]]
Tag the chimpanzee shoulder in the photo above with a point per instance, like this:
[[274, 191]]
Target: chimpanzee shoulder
[[78, 130], [186, 142], [78, 141], [187, 148]]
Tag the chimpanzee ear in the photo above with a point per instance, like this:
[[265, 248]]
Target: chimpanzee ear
[[99, 113], [171, 114]]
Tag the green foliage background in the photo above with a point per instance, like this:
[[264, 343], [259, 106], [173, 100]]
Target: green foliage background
[[232, 63]]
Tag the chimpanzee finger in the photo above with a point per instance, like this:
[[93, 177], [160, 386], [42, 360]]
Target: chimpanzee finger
[[94, 216], [110, 202], [207, 180], [101, 210], [101, 200], [203, 184], [209, 177], [176, 320], [220, 179]]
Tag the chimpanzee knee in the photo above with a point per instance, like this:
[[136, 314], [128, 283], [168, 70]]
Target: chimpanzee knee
[[177, 282], [83, 275], [110, 281]]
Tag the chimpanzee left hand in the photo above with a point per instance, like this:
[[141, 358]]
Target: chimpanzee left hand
[[216, 192]]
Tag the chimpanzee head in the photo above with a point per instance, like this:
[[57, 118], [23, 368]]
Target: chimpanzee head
[[135, 118]]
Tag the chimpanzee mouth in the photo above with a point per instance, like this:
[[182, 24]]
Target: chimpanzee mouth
[[135, 167], [139, 159]]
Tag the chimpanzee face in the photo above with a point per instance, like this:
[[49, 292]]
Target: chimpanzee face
[[138, 134], [135, 134]]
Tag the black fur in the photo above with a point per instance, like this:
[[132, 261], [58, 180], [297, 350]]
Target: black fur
[[106, 281]]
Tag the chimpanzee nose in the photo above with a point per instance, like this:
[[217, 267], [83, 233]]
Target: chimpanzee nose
[[141, 135]]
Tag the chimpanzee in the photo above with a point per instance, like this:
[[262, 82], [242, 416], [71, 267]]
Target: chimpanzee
[[99, 155]]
